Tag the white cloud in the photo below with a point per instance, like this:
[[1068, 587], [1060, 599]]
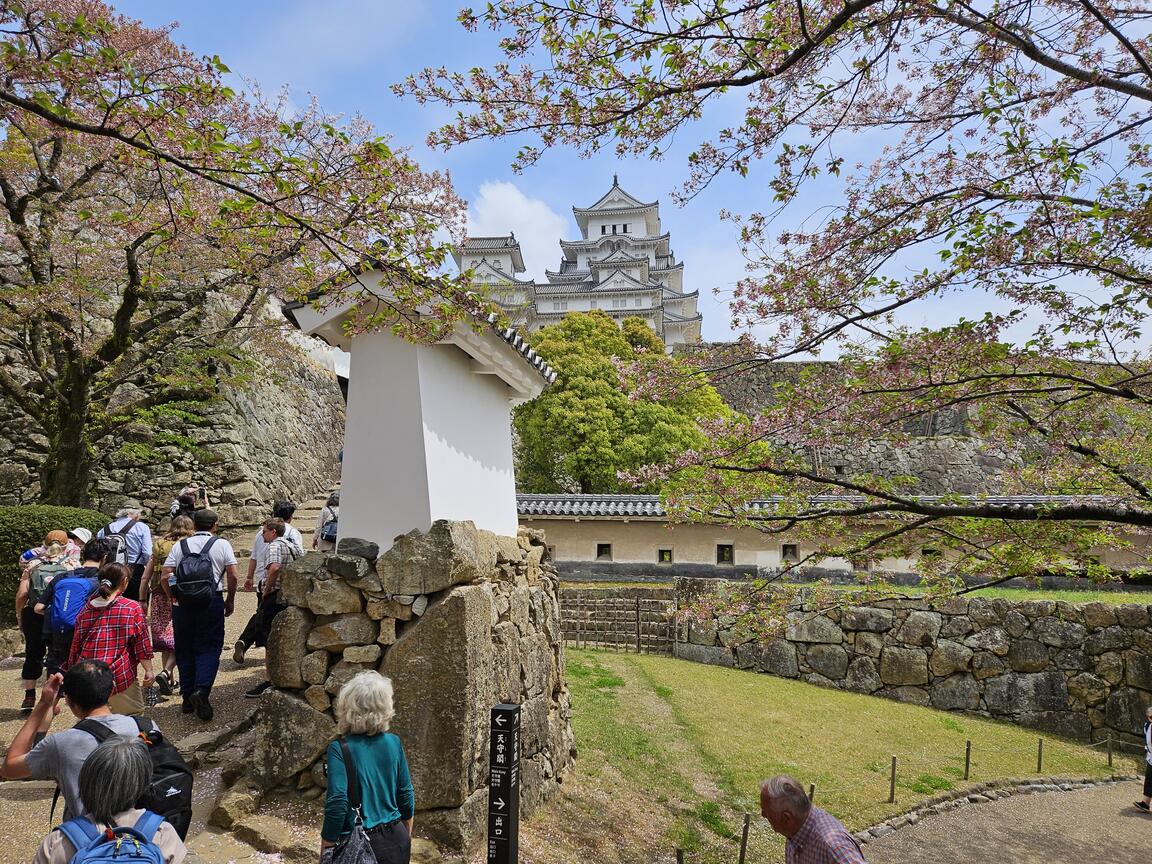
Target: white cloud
[[501, 207]]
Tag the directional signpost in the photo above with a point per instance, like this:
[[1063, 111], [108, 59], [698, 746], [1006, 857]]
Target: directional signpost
[[504, 786]]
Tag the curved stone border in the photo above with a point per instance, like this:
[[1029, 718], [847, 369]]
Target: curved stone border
[[983, 793]]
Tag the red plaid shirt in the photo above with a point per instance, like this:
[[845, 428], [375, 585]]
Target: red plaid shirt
[[116, 634], [822, 839]]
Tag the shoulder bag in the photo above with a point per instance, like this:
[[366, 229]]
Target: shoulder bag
[[356, 848]]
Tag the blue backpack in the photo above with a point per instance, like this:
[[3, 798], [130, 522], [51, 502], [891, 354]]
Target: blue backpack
[[120, 845], [68, 598]]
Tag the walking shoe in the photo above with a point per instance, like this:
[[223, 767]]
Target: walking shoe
[[164, 682], [29, 702], [189, 704], [238, 652], [258, 691], [203, 707], [1140, 805]]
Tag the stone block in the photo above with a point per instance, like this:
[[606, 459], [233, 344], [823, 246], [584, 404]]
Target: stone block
[[1098, 615], [956, 693], [862, 676], [869, 618], [808, 627], [298, 576], [987, 612], [992, 639], [378, 609], [911, 695], [703, 632], [334, 597], [365, 549], [460, 827], [960, 625], [1059, 634], [292, 736], [949, 657], [362, 654], [1027, 655], [506, 662], [318, 697], [287, 643], [775, 657], [441, 668], [450, 553], [920, 629], [387, 632], [341, 674], [1110, 667], [356, 571], [1138, 670], [713, 655], [950, 605], [1088, 688], [338, 633], [1109, 639], [869, 644], [831, 661], [1071, 658], [1017, 692], [1036, 608], [1015, 624], [1069, 724], [1131, 615], [1124, 710], [986, 665], [314, 667], [900, 666]]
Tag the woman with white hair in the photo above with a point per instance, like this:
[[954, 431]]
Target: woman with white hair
[[387, 804], [112, 779]]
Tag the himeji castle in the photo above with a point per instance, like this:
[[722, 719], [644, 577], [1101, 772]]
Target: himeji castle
[[622, 264]]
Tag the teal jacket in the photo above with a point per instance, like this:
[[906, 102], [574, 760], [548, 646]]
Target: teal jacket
[[385, 785]]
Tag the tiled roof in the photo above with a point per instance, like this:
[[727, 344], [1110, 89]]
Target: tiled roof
[[507, 242], [513, 337], [640, 506]]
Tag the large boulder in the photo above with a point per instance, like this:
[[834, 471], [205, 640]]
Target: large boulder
[[831, 661], [920, 628], [450, 553], [298, 576], [868, 618], [1027, 655], [334, 597], [442, 672], [949, 657], [338, 633], [812, 627], [956, 693], [899, 666], [287, 645], [1016, 692], [1059, 634], [776, 657], [290, 736], [862, 676]]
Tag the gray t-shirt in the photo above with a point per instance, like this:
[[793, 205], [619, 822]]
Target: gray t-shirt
[[59, 757]]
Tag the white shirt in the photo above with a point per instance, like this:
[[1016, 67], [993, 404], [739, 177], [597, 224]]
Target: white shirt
[[221, 554]]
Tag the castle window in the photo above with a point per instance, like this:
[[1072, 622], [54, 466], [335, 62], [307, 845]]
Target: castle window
[[625, 227], [620, 303], [725, 553], [613, 229], [663, 556], [638, 303], [559, 305], [603, 551], [603, 229], [789, 552]]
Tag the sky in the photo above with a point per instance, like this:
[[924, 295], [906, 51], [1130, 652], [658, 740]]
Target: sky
[[347, 53]]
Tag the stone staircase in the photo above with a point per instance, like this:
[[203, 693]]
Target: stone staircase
[[304, 521]]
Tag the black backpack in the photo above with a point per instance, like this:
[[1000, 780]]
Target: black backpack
[[195, 580], [169, 792]]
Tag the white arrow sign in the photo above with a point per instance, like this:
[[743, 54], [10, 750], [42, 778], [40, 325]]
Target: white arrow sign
[[500, 720], [499, 803]]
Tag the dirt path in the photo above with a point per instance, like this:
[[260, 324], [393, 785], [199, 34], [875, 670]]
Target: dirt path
[[24, 805], [1085, 827]]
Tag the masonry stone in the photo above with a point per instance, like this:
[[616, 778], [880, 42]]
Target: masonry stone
[[1130, 615], [959, 692], [1099, 615], [900, 666], [1124, 709], [1109, 639], [338, 633], [1015, 692], [449, 553], [1059, 634], [862, 676], [961, 625], [1069, 724], [869, 644], [808, 627], [920, 628], [911, 695], [293, 735], [1110, 667], [992, 639], [831, 661], [775, 657], [949, 657], [868, 618], [287, 641], [1027, 655], [986, 665], [1072, 659], [365, 549], [1138, 670], [984, 611], [1088, 688], [334, 597], [314, 667], [1015, 624]]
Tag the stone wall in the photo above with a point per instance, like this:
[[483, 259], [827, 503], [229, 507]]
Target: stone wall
[[1079, 670], [276, 437], [939, 449], [460, 620]]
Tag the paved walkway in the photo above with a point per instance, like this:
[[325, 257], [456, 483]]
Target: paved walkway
[[1084, 827]]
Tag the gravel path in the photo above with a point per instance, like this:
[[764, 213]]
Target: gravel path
[[24, 805], [1083, 827]]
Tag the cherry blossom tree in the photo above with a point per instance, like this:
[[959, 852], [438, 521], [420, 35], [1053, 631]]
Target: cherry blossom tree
[[1008, 179], [153, 218]]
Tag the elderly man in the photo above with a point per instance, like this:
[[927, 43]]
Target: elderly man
[[814, 835], [137, 541]]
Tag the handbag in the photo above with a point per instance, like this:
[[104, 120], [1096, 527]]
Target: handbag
[[356, 848]]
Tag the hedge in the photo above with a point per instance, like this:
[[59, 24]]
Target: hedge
[[24, 527]]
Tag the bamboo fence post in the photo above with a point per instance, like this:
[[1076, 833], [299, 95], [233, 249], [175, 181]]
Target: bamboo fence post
[[967, 758], [1040, 756], [744, 837], [892, 784]]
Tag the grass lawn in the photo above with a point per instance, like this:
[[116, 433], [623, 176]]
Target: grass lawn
[[679, 748]]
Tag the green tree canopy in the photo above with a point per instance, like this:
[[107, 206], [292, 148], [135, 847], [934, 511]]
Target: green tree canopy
[[585, 428]]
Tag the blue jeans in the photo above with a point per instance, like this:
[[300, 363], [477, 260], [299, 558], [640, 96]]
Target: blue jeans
[[199, 634]]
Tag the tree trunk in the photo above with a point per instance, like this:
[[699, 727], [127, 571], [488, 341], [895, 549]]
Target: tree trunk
[[66, 475]]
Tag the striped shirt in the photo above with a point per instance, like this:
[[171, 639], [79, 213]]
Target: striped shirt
[[822, 839]]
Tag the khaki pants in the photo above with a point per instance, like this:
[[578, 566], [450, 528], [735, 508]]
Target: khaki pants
[[130, 701]]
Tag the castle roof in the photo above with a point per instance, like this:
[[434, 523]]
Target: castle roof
[[617, 201], [479, 245]]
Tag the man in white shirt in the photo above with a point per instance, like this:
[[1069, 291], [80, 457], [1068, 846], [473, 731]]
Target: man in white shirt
[[253, 637], [198, 627]]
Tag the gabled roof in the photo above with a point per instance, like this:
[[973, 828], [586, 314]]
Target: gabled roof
[[634, 240], [612, 200], [631, 280], [619, 256], [479, 245], [488, 267]]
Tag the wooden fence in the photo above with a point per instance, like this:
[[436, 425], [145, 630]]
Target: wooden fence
[[618, 620]]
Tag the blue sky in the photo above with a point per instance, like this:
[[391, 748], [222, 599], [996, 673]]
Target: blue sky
[[348, 53]]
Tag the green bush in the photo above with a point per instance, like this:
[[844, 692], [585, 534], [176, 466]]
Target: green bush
[[24, 527]]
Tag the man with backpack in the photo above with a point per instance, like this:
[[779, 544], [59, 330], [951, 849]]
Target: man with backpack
[[86, 687], [62, 601], [279, 553], [253, 635], [39, 567], [129, 542], [200, 577]]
